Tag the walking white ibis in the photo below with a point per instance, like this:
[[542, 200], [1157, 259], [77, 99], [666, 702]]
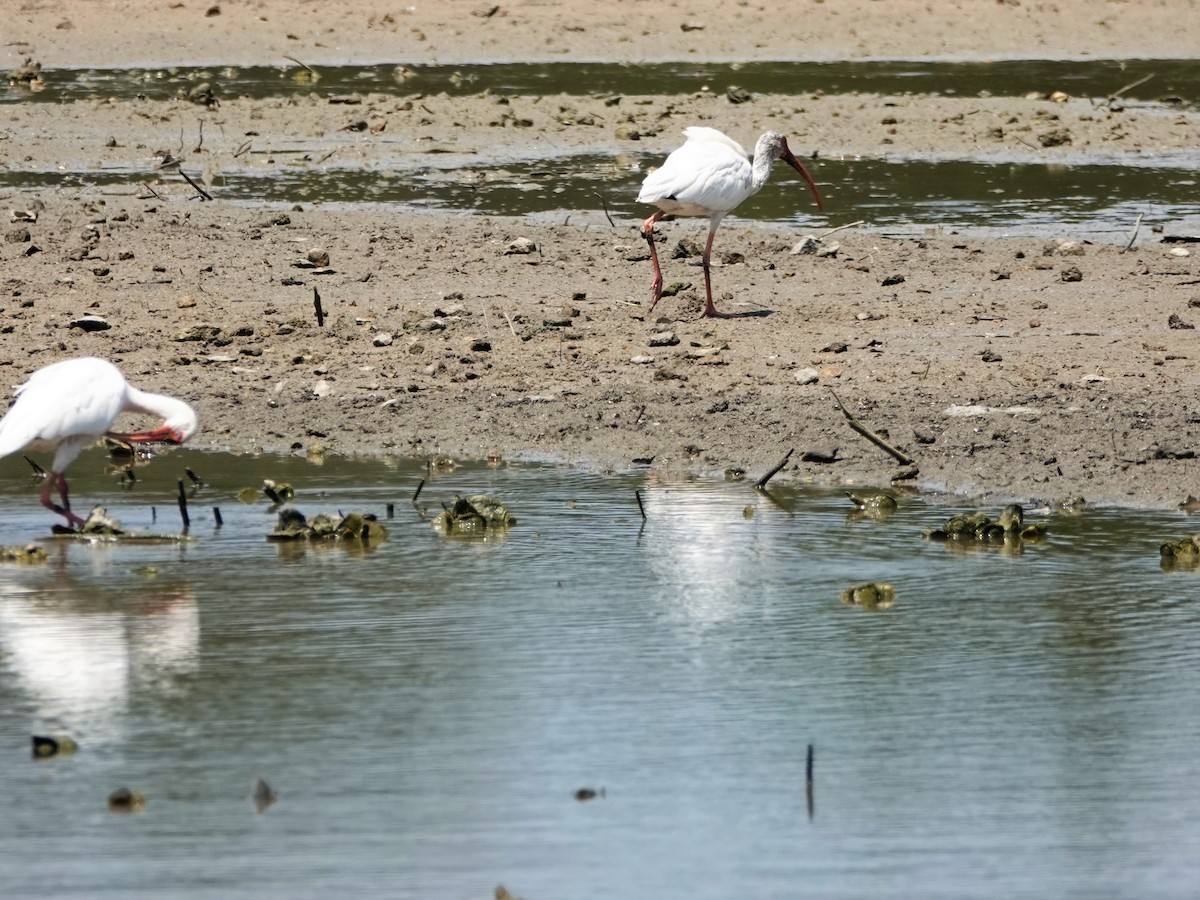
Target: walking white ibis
[[68, 405], [709, 176]]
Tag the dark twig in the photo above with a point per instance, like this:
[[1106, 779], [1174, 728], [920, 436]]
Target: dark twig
[[762, 482], [808, 782], [605, 208], [899, 455], [217, 516], [183, 510], [1129, 87], [317, 307], [37, 470], [297, 62], [204, 195], [417, 493], [641, 507], [1136, 225]]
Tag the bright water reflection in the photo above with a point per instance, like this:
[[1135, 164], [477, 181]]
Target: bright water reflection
[[1014, 726]]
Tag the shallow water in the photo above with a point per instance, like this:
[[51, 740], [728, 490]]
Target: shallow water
[[1173, 80], [1016, 725], [1093, 196], [902, 196]]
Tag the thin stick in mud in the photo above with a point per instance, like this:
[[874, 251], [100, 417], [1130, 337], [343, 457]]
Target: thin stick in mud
[[899, 455], [762, 482]]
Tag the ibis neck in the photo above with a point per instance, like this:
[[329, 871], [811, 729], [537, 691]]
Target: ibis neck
[[761, 170], [175, 413]]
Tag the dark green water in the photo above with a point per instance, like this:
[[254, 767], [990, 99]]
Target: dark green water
[[891, 195], [1172, 79], [1015, 726]]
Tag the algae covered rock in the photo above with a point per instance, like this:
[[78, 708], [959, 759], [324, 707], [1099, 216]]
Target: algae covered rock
[[479, 514], [873, 595], [293, 525]]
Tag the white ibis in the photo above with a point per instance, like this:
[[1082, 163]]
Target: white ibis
[[709, 176], [68, 405]]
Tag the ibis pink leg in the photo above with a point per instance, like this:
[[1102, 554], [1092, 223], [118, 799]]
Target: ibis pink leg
[[56, 480], [710, 311], [648, 234]]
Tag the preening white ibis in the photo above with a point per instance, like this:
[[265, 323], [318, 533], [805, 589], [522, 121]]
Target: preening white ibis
[[69, 405], [709, 176]]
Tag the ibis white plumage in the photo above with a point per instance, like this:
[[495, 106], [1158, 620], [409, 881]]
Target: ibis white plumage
[[67, 406], [709, 176]]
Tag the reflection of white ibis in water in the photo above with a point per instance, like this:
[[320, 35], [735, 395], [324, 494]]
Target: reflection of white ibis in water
[[69, 405], [709, 176]]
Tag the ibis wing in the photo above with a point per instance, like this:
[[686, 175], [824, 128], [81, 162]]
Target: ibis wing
[[78, 397], [700, 178]]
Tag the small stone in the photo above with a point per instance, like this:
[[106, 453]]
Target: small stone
[[520, 246], [891, 280], [481, 345], [91, 323], [1071, 274], [807, 245], [1176, 323], [318, 256], [627, 132], [1056, 138], [17, 236], [1070, 248], [187, 301], [383, 339], [664, 339], [642, 360], [807, 376]]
